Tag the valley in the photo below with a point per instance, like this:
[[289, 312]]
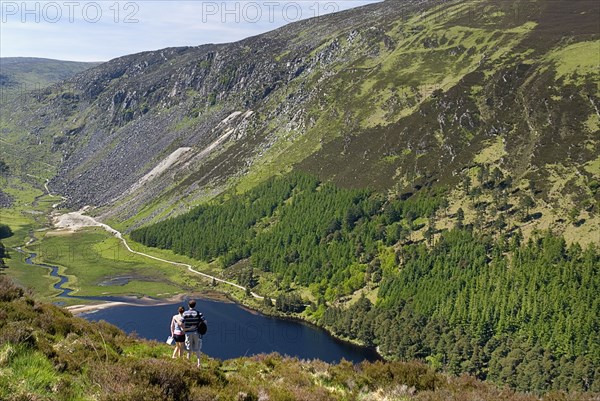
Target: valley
[[419, 177]]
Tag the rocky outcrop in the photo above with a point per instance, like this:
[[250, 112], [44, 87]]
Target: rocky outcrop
[[5, 200], [388, 96]]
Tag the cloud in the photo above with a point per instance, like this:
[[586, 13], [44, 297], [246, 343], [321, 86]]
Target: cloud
[[101, 30]]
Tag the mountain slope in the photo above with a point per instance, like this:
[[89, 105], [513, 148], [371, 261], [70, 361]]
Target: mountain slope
[[359, 97], [23, 74], [383, 272], [438, 179]]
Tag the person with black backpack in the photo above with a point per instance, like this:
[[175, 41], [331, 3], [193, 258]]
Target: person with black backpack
[[194, 327]]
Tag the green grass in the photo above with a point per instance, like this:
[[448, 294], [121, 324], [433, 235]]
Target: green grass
[[411, 65], [593, 167], [492, 153], [390, 159], [35, 278], [275, 162], [37, 369], [525, 28], [87, 257], [37, 73], [26, 155], [185, 123], [593, 123], [147, 213], [266, 281], [92, 256], [279, 57], [166, 254], [73, 359], [22, 216], [27, 215], [579, 58], [26, 373]]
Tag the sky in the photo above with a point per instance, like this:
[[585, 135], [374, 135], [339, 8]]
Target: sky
[[104, 29]]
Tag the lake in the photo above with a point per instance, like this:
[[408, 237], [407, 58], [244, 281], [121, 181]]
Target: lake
[[234, 332]]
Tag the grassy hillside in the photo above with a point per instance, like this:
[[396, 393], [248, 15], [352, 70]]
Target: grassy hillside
[[392, 96], [19, 75], [21, 79], [424, 175], [46, 354], [474, 297]]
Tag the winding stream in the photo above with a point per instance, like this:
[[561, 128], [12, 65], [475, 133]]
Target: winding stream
[[65, 292]]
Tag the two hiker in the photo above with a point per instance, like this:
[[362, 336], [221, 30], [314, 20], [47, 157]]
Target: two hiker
[[187, 327]]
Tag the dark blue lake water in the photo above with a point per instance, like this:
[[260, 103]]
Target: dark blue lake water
[[234, 332]]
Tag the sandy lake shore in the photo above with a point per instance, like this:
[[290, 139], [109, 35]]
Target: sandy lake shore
[[146, 301]]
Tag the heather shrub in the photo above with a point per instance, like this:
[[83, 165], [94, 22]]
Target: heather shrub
[[163, 375], [18, 310], [342, 374], [8, 290], [53, 320], [414, 374], [376, 373], [46, 354], [17, 333], [305, 394], [138, 393], [209, 376], [110, 379], [204, 394]]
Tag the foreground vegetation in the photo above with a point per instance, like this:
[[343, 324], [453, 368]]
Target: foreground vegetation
[[473, 297], [47, 354]]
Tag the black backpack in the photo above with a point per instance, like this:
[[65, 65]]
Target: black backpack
[[202, 327]]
